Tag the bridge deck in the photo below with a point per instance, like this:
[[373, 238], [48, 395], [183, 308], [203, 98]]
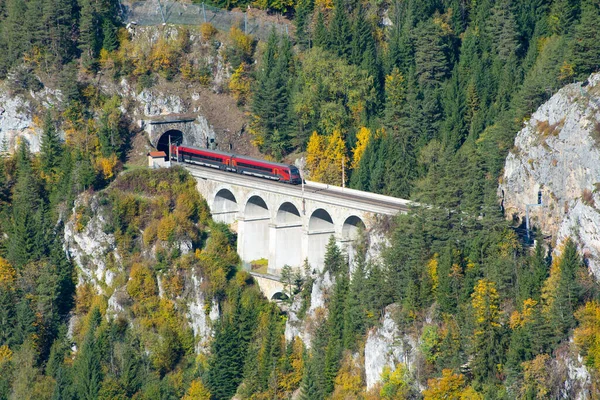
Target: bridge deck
[[329, 194]]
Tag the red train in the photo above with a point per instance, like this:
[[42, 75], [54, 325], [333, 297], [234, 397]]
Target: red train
[[237, 163]]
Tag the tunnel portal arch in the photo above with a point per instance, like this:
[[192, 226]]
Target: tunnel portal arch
[[163, 142]]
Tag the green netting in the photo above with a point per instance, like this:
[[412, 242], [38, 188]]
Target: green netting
[[156, 12]]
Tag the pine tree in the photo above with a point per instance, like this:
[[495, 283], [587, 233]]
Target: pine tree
[[88, 32], [58, 21], [14, 32], [7, 315], [334, 259], [23, 244], [502, 29], [586, 42], [335, 324], [340, 36], [430, 56], [87, 367], [271, 100], [487, 348], [320, 38], [562, 15], [309, 389], [51, 147], [361, 33], [301, 20], [110, 41], [568, 293]]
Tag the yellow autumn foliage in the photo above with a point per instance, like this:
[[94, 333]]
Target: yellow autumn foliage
[[348, 382], [141, 284], [239, 84], [587, 335], [7, 273], [197, 391], [241, 41], [208, 31], [363, 136], [5, 354], [395, 384], [486, 305], [163, 57], [326, 158], [536, 377], [450, 386], [166, 228], [432, 270], [288, 382], [106, 165], [520, 319]]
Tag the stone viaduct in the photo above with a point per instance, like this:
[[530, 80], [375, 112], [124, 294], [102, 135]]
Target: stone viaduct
[[285, 224]]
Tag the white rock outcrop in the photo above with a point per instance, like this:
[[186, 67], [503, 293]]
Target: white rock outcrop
[[387, 346], [16, 122], [558, 153], [89, 246]]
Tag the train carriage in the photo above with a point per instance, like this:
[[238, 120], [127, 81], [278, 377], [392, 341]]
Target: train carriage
[[237, 163]]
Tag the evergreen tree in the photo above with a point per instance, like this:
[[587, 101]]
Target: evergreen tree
[[563, 13], [7, 315], [361, 34], [110, 41], [301, 20], [27, 233], [14, 31], [586, 42], [320, 38], [87, 367], [335, 323], [271, 101], [88, 32], [340, 36], [334, 261], [309, 389], [502, 29], [51, 147], [569, 289], [59, 17]]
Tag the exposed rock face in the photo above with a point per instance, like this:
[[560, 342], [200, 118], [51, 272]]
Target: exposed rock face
[[89, 246], [16, 121], [200, 320], [557, 153], [387, 346]]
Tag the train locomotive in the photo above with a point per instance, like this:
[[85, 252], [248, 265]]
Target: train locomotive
[[236, 163]]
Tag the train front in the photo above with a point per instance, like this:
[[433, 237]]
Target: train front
[[295, 178]]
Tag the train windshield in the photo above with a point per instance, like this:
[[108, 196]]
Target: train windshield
[[294, 171]]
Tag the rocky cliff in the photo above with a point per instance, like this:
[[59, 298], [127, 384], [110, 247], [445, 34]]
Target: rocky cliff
[[558, 153]]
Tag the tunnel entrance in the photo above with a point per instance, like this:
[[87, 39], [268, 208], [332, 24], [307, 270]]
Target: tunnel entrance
[[163, 142]]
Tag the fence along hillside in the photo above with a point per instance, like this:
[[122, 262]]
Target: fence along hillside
[[154, 12]]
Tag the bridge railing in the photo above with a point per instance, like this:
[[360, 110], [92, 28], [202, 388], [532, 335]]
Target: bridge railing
[[369, 195]]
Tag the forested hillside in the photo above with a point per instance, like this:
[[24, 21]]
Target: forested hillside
[[419, 99]]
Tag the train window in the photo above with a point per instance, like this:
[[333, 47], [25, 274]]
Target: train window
[[258, 167]]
